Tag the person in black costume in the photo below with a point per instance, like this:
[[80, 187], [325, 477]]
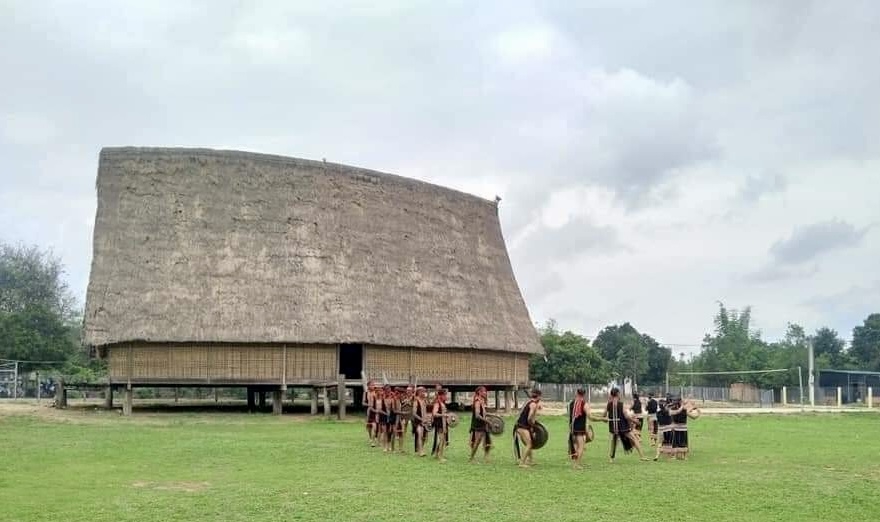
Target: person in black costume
[[479, 428], [638, 416], [523, 430], [619, 426], [664, 427], [652, 418], [578, 415], [419, 412], [441, 426]]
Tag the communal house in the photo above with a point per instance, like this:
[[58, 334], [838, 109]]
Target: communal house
[[235, 269]]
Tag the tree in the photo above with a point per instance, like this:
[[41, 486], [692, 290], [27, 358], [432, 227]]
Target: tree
[[865, 349], [660, 361], [623, 347], [828, 349], [569, 359], [734, 346], [39, 319]]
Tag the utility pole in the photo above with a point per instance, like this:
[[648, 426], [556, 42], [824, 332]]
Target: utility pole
[[811, 372]]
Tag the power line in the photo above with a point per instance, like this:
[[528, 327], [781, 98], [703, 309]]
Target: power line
[[31, 362], [734, 372]]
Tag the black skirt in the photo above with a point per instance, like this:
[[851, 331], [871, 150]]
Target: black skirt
[[680, 440], [666, 443], [487, 437]]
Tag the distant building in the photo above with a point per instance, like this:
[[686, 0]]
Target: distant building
[[854, 384]]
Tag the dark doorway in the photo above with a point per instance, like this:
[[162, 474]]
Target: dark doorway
[[351, 360]]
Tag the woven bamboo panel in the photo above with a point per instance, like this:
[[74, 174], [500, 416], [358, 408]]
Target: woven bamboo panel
[[445, 365], [116, 361], [313, 362], [218, 362]]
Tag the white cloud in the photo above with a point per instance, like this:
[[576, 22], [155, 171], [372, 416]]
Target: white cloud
[[643, 176], [526, 44]]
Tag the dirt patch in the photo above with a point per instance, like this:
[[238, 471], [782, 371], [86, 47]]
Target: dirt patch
[[186, 487]]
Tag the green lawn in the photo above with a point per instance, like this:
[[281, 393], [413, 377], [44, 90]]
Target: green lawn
[[83, 466]]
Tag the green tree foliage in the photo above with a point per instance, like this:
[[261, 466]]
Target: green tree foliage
[[733, 346], [828, 349], [865, 349], [569, 359], [39, 318], [621, 345]]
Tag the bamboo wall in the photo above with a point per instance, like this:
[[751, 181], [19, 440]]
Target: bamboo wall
[[222, 363], [447, 366], [165, 363]]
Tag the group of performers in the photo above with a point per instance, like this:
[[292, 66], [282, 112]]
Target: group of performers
[[667, 424], [392, 412]]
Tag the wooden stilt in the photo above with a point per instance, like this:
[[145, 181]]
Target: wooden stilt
[[497, 400], [314, 397], [108, 397], [515, 398], [277, 405], [251, 400], [127, 401], [326, 402], [340, 396], [507, 401], [262, 399], [176, 395], [216, 396]]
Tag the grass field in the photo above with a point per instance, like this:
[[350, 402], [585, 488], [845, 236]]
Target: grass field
[[97, 466]]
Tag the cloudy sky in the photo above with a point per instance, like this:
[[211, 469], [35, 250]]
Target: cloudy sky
[[653, 157]]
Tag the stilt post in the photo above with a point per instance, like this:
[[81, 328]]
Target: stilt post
[[314, 398], [326, 402], [870, 397], [216, 396], [127, 401], [251, 400], [507, 400], [277, 404], [176, 395], [340, 396], [839, 397], [108, 397], [784, 396], [262, 400], [497, 400]]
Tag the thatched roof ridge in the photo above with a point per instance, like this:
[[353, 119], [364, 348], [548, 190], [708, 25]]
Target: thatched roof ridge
[[199, 245], [110, 152]]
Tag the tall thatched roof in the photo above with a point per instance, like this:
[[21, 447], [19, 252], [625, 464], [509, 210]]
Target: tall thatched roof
[[216, 246]]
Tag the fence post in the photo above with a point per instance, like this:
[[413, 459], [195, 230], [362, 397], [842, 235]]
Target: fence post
[[839, 397], [784, 395]]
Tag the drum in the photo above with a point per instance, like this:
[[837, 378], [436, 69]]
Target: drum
[[539, 436], [452, 420], [428, 421], [495, 424], [406, 410], [590, 434]]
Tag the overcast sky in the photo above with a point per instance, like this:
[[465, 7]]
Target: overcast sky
[[653, 157]]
